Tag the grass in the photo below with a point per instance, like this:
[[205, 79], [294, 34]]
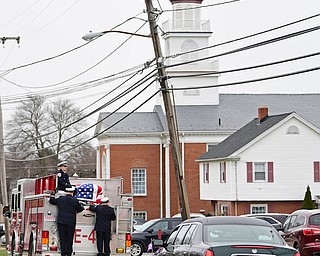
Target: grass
[[3, 251]]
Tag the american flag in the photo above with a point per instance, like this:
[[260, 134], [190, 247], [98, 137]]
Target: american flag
[[87, 191]]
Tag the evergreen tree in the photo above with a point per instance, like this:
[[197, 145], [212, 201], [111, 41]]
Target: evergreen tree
[[307, 201]]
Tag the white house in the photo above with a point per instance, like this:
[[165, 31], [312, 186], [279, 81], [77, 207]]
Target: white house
[[265, 166]]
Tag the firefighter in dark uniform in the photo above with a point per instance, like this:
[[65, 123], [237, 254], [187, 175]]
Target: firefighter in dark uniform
[[68, 207], [62, 175], [104, 215]]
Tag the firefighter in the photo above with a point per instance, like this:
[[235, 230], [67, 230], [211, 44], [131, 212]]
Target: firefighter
[[68, 207], [104, 215], [63, 177]]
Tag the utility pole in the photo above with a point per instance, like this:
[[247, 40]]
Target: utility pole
[[3, 175], [171, 119]]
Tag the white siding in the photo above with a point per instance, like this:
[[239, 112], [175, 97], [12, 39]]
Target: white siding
[[292, 156]]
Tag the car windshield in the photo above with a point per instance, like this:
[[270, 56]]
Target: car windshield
[[146, 225], [241, 233]]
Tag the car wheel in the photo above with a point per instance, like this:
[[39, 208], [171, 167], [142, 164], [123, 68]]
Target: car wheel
[[136, 249], [296, 246]]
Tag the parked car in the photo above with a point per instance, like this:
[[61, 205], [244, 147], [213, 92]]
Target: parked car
[[275, 219], [149, 231], [137, 222], [225, 236], [192, 215], [301, 230], [2, 232]]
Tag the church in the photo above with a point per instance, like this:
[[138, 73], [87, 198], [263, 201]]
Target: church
[[138, 147]]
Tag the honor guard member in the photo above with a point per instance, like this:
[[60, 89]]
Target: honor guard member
[[62, 175], [68, 207], [104, 215]]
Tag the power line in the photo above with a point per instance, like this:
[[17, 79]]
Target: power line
[[245, 37], [248, 68], [248, 81], [255, 45], [133, 87], [93, 137]]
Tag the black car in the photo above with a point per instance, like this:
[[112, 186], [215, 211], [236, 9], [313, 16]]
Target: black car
[[2, 233], [275, 219], [137, 222], [225, 236], [149, 231]]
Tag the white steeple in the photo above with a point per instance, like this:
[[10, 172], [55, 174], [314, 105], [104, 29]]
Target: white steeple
[[184, 33]]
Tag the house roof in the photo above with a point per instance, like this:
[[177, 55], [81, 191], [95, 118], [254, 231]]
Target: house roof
[[232, 112], [242, 137]]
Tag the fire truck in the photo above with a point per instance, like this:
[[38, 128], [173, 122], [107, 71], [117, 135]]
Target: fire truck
[[33, 227]]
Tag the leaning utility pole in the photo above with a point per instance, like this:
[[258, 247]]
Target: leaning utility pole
[[171, 119], [3, 175]]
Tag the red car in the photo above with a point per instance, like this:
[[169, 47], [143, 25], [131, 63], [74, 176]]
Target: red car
[[301, 230]]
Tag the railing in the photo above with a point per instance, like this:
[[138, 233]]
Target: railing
[[186, 25]]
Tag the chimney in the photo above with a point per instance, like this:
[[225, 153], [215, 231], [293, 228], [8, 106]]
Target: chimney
[[262, 114]]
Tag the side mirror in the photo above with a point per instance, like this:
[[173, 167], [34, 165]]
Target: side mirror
[[150, 230]]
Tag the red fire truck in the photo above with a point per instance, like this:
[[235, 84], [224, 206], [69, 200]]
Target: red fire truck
[[33, 228]]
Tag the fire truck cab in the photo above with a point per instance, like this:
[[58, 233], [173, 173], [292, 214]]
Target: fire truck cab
[[33, 228]]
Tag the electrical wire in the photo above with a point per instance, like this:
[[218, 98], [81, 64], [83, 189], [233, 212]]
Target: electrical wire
[[93, 137], [245, 37], [7, 71], [101, 107], [200, 7], [248, 68], [255, 45], [246, 81]]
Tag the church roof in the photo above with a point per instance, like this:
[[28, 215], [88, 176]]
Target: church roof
[[232, 112]]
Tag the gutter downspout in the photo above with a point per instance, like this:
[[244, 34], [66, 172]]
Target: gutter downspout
[[167, 179]]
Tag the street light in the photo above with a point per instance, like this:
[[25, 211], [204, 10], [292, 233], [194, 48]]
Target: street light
[[93, 35], [171, 121]]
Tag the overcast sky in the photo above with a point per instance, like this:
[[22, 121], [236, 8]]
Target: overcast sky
[[49, 28]]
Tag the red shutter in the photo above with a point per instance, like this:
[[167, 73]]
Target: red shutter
[[270, 171], [249, 172], [316, 171]]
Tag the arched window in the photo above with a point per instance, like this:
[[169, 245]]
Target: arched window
[[189, 45], [293, 130]]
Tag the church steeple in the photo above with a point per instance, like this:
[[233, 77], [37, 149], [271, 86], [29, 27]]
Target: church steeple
[[185, 33]]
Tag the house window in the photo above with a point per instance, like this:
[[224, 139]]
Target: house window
[[139, 181], [205, 168], [260, 172], [223, 172], [293, 130], [258, 208], [140, 215]]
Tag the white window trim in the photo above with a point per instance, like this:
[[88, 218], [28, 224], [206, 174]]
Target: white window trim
[[258, 205], [205, 172], [224, 164], [135, 213], [265, 172], [142, 194]]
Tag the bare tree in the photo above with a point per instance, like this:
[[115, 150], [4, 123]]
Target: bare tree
[[44, 133]]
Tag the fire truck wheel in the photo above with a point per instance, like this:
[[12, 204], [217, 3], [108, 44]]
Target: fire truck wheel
[[31, 249], [136, 249]]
